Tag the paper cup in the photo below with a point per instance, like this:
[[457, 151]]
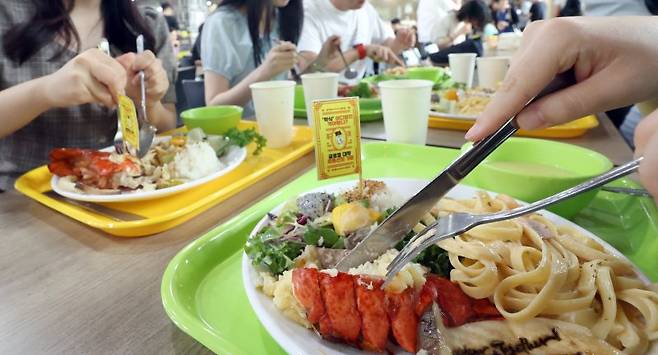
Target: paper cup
[[491, 71], [274, 105], [406, 106], [462, 66], [318, 86]]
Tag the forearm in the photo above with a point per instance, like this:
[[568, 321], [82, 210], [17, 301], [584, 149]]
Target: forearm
[[336, 64], [22, 103], [240, 94], [162, 116]]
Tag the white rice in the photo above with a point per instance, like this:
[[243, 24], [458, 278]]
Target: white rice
[[197, 160]]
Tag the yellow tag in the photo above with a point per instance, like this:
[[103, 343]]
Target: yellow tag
[[129, 125], [337, 137]]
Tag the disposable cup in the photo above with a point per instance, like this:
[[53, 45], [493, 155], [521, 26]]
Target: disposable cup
[[491, 71], [462, 66], [406, 107], [318, 86], [274, 105]]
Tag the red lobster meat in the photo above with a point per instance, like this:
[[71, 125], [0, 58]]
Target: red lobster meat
[[355, 310], [90, 167]]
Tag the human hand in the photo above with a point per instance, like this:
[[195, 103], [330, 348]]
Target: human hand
[[329, 50], [155, 77], [613, 60], [646, 143], [404, 39], [502, 25], [280, 59], [91, 76], [383, 54]]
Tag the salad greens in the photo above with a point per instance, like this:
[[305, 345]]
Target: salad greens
[[362, 90], [233, 136], [434, 258], [269, 250]]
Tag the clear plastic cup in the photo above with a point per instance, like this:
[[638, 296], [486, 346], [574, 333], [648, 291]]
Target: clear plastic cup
[[491, 71], [462, 67], [318, 86], [406, 107], [274, 105]]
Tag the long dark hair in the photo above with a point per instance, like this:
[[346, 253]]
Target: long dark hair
[[122, 24], [476, 12], [289, 18], [571, 8]]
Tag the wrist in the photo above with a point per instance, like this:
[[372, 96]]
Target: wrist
[[40, 87]]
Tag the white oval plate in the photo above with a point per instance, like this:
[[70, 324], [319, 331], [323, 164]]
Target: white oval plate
[[231, 160], [297, 340]]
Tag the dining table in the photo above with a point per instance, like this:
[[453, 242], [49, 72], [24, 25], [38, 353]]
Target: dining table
[[66, 288]]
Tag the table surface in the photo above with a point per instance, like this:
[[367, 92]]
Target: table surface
[[67, 288]]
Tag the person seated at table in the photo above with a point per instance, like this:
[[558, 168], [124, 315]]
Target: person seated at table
[[600, 53], [362, 32], [504, 15], [430, 12], [474, 20], [244, 42], [58, 90]]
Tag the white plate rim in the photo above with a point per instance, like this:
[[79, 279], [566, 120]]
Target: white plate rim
[[149, 195], [272, 320]]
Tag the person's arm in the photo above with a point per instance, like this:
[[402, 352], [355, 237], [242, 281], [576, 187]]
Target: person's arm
[[89, 77], [218, 91]]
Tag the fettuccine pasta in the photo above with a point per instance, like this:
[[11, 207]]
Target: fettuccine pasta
[[529, 268]]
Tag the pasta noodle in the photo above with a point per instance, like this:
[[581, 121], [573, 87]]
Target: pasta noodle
[[532, 268]]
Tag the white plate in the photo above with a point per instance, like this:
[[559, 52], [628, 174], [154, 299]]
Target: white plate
[[297, 340], [456, 116], [231, 160]]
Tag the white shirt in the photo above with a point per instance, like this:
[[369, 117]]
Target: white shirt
[[615, 8], [428, 13], [362, 26], [444, 27]]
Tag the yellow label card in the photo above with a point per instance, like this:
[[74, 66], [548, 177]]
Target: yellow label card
[[129, 125], [337, 137]]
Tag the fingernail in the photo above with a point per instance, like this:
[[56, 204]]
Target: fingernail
[[531, 120], [473, 132]]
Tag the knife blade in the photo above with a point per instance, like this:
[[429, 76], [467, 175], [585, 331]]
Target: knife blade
[[394, 228], [119, 216]]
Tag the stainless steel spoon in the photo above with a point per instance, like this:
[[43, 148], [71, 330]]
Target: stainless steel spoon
[[350, 73], [146, 129]]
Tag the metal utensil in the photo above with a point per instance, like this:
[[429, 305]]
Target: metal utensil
[[627, 191], [458, 223], [396, 226], [350, 73], [119, 216], [146, 129]]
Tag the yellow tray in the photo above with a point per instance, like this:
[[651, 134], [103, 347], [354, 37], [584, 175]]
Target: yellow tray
[[568, 130], [167, 212]]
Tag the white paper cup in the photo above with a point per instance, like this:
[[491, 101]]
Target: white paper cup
[[491, 71], [318, 86], [274, 105], [462, 66], [406, 106]]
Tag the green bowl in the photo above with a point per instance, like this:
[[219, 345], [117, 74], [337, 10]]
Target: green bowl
[[512, 169], [212, 119], [432, 74]]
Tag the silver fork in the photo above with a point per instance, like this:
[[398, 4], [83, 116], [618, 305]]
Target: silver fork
[[458, 223]]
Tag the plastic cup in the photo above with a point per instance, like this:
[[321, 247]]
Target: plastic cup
[[491, 71], [318, 86], [274, 102], [406, 107], [462, 66]]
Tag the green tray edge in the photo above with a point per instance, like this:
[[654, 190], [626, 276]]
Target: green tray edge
[[185, 317]]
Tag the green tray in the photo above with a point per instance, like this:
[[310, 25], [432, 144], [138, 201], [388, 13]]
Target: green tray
[[202, 288], [369, 109]]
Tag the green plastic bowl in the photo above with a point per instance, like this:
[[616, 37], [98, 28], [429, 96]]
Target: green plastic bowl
[[562, 166], [212, 119], [432, 74]]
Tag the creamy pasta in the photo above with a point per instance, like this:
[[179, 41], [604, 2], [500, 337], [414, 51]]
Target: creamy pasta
[[530, 267]]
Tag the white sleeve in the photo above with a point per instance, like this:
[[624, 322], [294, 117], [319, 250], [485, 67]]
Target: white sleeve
[[381, 30], [311, 38], [424, 16]]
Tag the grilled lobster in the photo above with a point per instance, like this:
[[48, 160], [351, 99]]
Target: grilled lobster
[[90, 167], [355, 310]]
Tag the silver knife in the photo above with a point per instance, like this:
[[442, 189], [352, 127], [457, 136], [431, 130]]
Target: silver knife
[[394, 228], [119, 216]]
